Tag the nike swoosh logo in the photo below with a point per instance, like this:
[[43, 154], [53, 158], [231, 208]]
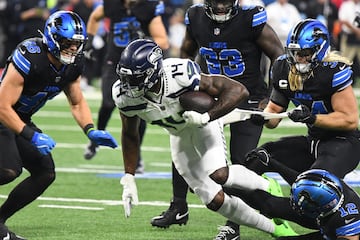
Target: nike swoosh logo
[[7, 237], [180, 216], [342, 67], [347, 221]]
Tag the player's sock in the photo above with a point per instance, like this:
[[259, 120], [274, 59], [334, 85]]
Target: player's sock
[[248, 179], [239, 212]]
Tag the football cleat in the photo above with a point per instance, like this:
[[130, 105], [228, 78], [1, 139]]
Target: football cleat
[[274, 187], [5, 234], [282, 229], [228, 232], [90, 150], [176, 214]]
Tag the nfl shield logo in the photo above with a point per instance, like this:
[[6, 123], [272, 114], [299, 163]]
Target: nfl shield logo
[[217, 31], [57, 79]]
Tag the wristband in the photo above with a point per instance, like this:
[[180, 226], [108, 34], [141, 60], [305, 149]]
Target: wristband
[[27, 132], [88, 128]]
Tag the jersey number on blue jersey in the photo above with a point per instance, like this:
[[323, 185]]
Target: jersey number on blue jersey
[[234, 66]]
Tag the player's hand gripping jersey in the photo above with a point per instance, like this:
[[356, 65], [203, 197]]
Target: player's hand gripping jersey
[[163, 109], [325, 80]]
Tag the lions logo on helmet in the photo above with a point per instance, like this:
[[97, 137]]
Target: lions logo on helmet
[[316, 193], [310, 38], [65, 29]]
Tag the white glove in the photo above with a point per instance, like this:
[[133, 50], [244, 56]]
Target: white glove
[[195, 118], [129, 195]]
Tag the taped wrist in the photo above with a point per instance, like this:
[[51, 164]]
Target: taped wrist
[[89, 127], [27, 132]]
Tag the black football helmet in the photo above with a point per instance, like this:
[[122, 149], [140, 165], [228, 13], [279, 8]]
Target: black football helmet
[[139, 67], [221, 10]]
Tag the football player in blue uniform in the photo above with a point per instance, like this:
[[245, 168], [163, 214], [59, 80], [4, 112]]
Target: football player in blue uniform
[[319, 82], [149, 88], [229, 39], [318, 200], [130, 20], [37, 71]]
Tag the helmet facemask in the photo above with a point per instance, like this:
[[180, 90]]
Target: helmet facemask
[[137, 82], [221, 10]]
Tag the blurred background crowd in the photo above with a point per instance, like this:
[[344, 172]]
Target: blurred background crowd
[[21, 19]]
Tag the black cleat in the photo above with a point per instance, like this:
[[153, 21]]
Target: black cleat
[[90, 150], [5, 234], [228, 232], [176, 214]]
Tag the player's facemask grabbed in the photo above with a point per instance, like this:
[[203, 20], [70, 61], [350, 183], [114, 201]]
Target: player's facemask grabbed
[[307, 45], [65, 35], [139, 67], [221, 10]]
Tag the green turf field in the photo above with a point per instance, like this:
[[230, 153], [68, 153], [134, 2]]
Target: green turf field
[[84, 202]]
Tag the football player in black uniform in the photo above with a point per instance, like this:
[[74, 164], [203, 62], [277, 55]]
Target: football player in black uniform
[[318, 200], [130, 20], [319, 82], [37, 71], [229, 40]]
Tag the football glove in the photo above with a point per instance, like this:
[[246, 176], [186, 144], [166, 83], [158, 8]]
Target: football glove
[[102, 138], [129, 195], [43, 143], [195, 118], [302, 114]]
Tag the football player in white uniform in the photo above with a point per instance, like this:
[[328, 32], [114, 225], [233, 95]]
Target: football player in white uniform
[[149, 88]]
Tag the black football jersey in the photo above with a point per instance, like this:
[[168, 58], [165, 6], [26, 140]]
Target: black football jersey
[[345, 221], [128, 25], [230, 48], [327, 78], [42, 81]]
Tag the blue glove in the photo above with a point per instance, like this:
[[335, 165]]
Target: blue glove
[[43, 143], [102, 138]]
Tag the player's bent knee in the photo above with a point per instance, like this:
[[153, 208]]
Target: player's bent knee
[[8, 175], [216, 203], [221, 175]]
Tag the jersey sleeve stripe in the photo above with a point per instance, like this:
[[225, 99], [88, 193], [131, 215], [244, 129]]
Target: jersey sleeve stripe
[[134, 108], [349, 229], [21, 62], [342, 77], [259, 18], [160, 9]]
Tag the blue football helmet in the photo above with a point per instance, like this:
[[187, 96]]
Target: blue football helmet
[[139, 67], [221, 10], [316, 193], [64, 30], [309, 37]]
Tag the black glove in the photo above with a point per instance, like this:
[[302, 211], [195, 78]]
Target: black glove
[[302, 114], [89, 48], [257, 119], [258, 154]]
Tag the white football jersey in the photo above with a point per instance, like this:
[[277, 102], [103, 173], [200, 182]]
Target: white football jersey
[[163, 109]]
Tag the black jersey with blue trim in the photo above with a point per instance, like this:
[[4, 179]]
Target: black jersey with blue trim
[[41, 79], [230, 48], [326, 79], [346, 220], [128, 25]]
